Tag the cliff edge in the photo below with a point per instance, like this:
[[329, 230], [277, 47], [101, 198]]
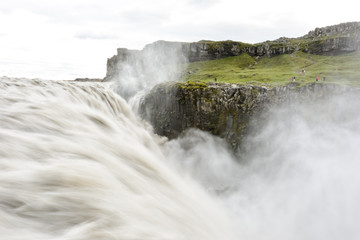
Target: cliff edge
[[225, 110]]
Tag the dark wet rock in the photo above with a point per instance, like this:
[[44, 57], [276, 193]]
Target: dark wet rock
[[225, 110]]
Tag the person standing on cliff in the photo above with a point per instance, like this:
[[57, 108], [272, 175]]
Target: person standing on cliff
[[317, 78]]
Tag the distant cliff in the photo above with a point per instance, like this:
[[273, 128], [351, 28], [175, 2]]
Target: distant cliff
[[330, 40], [333, 40]]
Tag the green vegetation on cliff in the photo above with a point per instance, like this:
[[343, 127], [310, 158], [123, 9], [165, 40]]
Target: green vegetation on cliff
[[278, 70]]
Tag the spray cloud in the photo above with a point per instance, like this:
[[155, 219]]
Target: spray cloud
[[299, 178], [134, 71]]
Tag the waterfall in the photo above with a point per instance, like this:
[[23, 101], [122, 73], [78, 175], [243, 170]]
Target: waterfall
[[77, 163]]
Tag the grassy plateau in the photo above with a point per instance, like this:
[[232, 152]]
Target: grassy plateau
[[278, 70]]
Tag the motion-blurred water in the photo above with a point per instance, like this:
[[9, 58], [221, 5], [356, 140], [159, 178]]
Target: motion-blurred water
[[76, 163]]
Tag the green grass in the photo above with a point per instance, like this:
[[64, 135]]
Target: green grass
[[343, 69]]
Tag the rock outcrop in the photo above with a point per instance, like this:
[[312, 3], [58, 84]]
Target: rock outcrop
[[225, 110], [333, 40], [221, 109]]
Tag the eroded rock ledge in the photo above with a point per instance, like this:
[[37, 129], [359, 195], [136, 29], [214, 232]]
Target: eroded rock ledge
[[225, 110]]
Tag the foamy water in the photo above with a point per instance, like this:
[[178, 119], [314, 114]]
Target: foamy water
[[76, 163]]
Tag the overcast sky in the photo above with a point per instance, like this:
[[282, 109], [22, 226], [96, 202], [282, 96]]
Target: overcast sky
[[64, 39]]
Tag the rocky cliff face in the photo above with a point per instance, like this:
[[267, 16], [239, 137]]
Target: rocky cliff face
[[225, 110], [333, 40]]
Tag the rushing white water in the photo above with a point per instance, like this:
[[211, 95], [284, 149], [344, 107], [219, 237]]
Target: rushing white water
[[299, 179], [76, 163]]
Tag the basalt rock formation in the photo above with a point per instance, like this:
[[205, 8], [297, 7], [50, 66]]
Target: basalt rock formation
[[333, 40], [225, 110]]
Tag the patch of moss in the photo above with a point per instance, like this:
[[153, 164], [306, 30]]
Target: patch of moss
[[315, 46], [225, 48], [197, 89]]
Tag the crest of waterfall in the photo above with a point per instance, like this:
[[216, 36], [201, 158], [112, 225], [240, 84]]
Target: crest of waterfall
[[76, 163]]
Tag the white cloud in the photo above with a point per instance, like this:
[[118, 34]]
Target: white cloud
[[95, 35]]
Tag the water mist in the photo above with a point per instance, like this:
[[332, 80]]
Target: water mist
[[137, 71], [299, 177]]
